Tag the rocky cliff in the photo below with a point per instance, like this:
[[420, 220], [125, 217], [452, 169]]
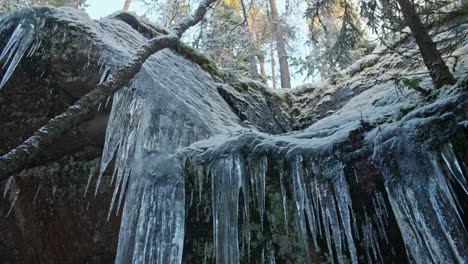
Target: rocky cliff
[[191, 164]]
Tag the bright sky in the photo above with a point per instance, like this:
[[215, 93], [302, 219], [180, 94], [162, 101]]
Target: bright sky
[[101, 8]]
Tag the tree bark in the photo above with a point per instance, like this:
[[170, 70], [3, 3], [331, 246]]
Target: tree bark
[[85, 107], [273, 66], [248, 32], [256, 38], [76, 3], [261, 61], [438, 70], [126, 5], [281, 46], [251, 56]]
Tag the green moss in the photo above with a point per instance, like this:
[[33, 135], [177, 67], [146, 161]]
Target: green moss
[[365, 65], [404, 111], [199, 59], [211, 69]]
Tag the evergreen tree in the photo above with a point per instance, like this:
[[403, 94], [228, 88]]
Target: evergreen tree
[[393, 15], [281, 46], [334, 30]]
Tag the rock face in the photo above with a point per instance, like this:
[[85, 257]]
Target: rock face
[[200, 166]]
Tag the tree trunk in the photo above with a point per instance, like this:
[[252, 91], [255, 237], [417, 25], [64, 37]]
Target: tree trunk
[[261, 61], [438, 70], [256, 37], [76, 3], [281, 46], [250, 35], [272, 56], [251, 56], [126, 5]]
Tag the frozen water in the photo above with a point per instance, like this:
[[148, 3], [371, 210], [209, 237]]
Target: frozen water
[[16, 48], [171, 113]]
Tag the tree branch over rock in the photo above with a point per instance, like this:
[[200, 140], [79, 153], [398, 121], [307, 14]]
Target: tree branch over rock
[[85, 108]]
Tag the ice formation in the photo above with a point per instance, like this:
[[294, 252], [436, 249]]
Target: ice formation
[[179, 147], [165, 108], [21, 40]]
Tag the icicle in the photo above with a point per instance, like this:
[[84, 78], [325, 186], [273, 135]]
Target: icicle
[[34, 48], [452, 163], [284, 199], [345, 207], [107, 102], [90, 176], [200, 177], [16, 47], [298, 191], [8, 184], [104, 76], [120, 173], [380, 215], [153, 219], [126, 176], [257, 179], [37, 193], [55, 27], [14, 198], [226, 183]]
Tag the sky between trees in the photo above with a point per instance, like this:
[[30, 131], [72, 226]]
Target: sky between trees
[[285, 42]]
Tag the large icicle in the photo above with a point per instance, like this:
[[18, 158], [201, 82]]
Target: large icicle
[[226, 178], [152, 229], [421, 198], [19, 43], [160, 112]]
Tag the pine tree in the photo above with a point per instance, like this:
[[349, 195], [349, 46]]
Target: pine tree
[[387, 13], [438, 70], [281, 46], [334, 28]]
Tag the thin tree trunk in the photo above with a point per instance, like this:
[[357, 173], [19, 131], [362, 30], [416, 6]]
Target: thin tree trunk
[[85, 107], [126, 5], [248, 32], [251, 56], [281, 46], [438, 70], [261, 61], [272, 55], [76, 3], [256, 39]]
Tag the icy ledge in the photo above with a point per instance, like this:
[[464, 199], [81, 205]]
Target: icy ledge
[[411, 184]]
